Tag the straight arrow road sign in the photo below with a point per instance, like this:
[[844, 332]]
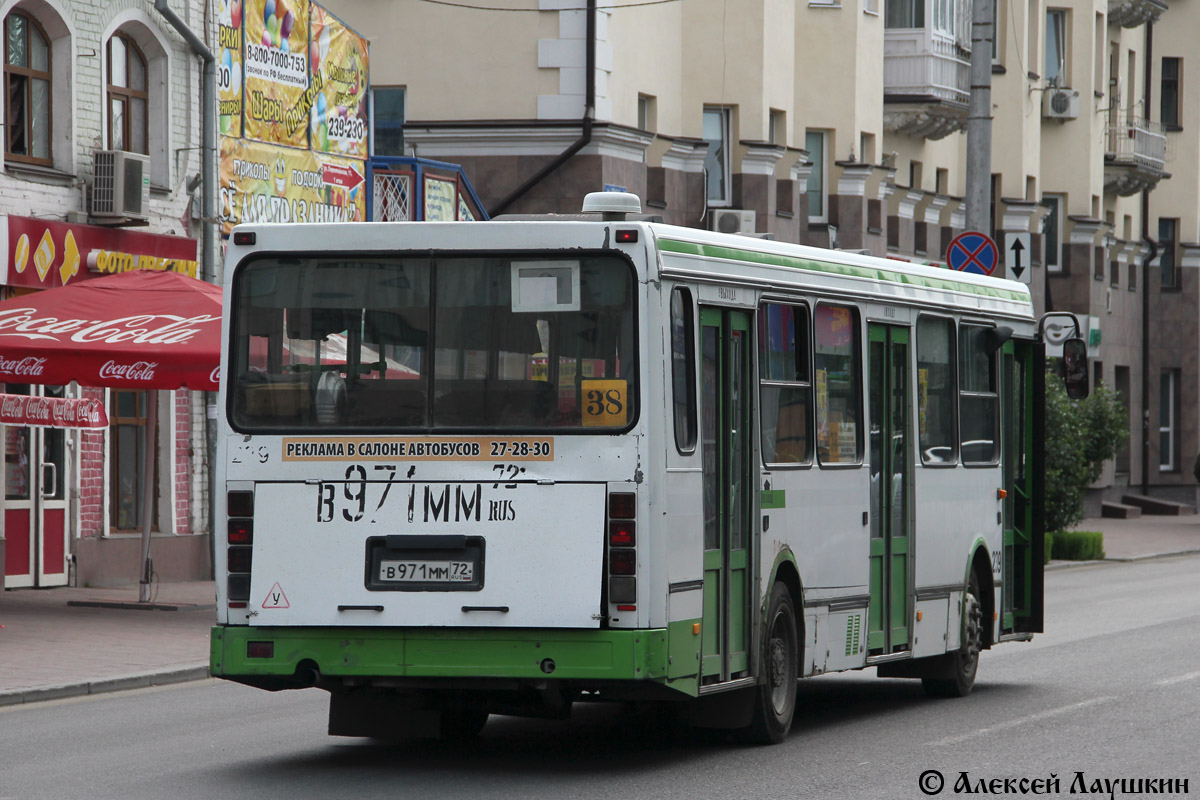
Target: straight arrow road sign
[[1017, 257]]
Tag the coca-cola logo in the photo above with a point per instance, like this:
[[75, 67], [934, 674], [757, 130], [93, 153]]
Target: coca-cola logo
[[135, 329], [137, 371], [29, 366], [215, 375]]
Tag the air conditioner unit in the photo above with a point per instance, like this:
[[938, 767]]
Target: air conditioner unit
[[1060, 103], [732, 220], [121, 188]]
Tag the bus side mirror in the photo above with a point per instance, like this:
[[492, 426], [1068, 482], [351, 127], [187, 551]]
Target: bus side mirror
[[1075, 368]]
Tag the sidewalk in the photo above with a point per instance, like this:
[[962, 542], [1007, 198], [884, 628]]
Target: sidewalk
[[66, 642]]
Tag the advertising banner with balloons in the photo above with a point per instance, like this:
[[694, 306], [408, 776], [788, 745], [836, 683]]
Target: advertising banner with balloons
[[339, 113], [293, 114], [277, 97], [267, 183], [229, 68]]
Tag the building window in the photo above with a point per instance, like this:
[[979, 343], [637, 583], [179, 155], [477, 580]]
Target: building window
[[647, 113], [128, 126], [944, 17], [387, 121], [1167, 230], [683, 370], [1167, 405], [1056, 47], [27, 90], [127, 443], [814, 143], [904, 14], [1052, 230], [785, 384], [1169, 96], [717, 161], [777, 127]]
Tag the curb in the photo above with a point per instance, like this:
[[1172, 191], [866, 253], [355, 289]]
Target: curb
[[141, 680], [1057, 565]]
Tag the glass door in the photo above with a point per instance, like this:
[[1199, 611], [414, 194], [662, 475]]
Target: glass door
[[891, 477], [725, 432], [35, 508]]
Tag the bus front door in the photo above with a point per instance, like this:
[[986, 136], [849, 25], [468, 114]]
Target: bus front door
[[891, 476], [1024, 539], [727, 448]]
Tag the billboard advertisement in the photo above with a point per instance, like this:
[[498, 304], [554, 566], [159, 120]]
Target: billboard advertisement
[[229, 67], [292, 82], [276, 71], [339, 111], [266, 183]]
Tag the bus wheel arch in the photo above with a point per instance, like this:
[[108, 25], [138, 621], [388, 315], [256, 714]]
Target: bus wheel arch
[[981, 568], [782, 649]]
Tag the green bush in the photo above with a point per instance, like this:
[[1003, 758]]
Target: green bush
[[1049, 548], [1080, 436], [1078, 545]]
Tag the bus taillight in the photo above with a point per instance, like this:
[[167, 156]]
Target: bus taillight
[[622, 557], [620, 533], [240, 535]]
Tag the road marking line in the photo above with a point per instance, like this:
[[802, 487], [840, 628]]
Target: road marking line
[[1013, 723], [1191, 676]]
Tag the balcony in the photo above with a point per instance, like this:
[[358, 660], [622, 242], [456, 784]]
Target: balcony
[[1135, 156], [1132, 13], [926, 83]]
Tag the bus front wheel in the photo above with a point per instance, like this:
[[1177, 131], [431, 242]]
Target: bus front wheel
[[775, 695]]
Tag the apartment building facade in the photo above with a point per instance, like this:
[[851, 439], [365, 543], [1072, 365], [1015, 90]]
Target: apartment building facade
[[99, 91], [843, 123]]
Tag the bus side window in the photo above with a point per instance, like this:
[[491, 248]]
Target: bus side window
[[837, 355], [979, 406], [785, 384], [683, 370], [936, 387]]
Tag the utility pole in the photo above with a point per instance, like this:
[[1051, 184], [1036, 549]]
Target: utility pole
[[979, 120]]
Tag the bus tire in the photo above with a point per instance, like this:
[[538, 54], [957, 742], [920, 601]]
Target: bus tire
[[775, 695], [963, 664]]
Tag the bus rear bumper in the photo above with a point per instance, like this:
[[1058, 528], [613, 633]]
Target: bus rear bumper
[[287, 657]]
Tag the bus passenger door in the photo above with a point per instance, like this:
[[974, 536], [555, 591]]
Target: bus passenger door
[[891, 475], [727, 448], [1024, 538]]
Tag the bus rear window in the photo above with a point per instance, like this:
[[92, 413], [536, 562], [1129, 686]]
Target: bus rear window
[[488, 342]]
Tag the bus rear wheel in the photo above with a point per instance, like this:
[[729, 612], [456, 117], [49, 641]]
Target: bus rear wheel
[[775, 695], [964, 662]]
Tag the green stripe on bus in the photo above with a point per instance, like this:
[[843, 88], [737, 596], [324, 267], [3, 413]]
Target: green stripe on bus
[[773, 498], [831, 268], [443, 652]]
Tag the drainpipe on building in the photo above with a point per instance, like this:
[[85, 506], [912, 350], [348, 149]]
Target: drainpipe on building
[[1149, 85], [208, 214], [589, 115]]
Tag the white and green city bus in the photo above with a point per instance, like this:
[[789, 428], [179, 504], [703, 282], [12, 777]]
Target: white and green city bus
[[503, 467]]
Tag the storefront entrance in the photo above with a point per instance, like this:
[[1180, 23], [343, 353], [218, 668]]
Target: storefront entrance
[[35, 500]]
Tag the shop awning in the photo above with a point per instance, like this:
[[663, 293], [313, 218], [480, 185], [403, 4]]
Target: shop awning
[[132, 330]]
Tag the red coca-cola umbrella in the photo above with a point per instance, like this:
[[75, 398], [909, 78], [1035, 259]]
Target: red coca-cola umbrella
[[132, 330]]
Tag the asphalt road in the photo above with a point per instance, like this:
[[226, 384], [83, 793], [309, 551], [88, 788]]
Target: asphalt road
[[1111, 691]]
